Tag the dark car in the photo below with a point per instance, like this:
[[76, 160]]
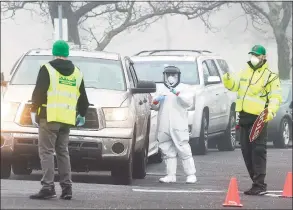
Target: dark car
[[280, 128]]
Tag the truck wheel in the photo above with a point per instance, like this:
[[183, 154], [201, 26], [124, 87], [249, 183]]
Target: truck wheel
[[228, 141], [141, 157], [5, 170], [157, 158], [122, 174], [21, 168], [201, 147], [284, 135], [140, 163]]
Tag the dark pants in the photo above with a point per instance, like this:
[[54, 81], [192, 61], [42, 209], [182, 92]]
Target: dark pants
[[255, 154], [54, 137]]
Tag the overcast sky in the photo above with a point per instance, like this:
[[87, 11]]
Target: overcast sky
[[232, 42]]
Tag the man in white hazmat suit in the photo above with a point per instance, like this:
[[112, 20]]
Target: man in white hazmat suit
[[172, 128]]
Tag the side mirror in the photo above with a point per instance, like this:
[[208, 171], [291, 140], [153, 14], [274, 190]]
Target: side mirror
[[213, 80], [291, 105], [144, 87]]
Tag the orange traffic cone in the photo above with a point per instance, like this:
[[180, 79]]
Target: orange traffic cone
[[287, 190], [232, 198]]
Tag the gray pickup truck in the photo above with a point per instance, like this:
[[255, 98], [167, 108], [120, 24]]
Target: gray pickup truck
[[115, 136]]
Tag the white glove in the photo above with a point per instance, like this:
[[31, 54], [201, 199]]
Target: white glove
[[33, 116]]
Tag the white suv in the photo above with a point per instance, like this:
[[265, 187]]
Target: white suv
[[213, 112]]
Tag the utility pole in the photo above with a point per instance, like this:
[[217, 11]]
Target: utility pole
[[60, 21], [60, 26]]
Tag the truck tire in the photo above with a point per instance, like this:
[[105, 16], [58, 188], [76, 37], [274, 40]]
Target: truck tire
[[141, 158], [228, 141], [21, 168], [201, 147], [122, 174], [284, 136], [157, 158], [5, 169], [140, 162]]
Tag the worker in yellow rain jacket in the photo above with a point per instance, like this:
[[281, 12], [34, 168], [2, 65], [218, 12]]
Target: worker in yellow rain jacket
[[257, 88], [59, 102]]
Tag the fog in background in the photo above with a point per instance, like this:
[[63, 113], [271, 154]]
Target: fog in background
[[231, 42]]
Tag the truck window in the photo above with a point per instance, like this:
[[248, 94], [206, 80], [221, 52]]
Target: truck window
[[97, 73]]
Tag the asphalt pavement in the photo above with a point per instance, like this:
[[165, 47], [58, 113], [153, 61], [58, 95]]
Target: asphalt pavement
[[214, 171]]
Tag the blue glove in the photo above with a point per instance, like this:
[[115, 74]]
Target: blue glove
[[158, 99], [174, 91], [80, 121]]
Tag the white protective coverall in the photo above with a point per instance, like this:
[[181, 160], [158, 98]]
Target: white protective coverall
[[172, 130]]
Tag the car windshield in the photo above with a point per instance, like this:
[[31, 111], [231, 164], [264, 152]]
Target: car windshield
[[286, 92], [97, 73], [153, 70]]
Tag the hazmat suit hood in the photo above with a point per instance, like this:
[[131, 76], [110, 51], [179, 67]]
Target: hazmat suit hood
[[171, 76], [64, 67]]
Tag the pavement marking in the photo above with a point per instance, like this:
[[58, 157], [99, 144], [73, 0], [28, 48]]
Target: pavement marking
[[179, 191], [275, 191], [272, 195], [155, 174]]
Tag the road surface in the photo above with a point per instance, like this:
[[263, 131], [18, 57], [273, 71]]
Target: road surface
[[214, 171]]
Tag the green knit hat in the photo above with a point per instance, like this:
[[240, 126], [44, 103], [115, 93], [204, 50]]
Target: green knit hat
[[258, 50], [60, 48]]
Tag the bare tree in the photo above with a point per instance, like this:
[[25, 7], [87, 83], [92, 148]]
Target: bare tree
[[278, 16], [72, 11], [120, 15]]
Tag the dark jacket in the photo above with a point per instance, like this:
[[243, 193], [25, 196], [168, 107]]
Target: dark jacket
[[39, 96]]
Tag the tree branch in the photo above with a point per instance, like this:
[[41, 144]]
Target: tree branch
[[197, 12], [13, 7], [259, 9], [90, 6]]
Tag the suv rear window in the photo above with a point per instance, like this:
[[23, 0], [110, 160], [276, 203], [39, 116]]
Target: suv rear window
[[153, 70], [224, 66], [97, 73]]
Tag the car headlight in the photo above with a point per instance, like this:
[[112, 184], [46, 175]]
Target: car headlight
[[8, 111], [116, 114]]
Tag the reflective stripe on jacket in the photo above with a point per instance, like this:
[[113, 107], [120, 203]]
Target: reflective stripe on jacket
[[62, 96], [255, 89]]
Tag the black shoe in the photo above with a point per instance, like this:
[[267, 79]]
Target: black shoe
[[66, 192], [255, 190], [45, 193]]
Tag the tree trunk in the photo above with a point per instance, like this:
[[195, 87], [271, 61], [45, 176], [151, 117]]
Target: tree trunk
[[72, 22], [283, 54]]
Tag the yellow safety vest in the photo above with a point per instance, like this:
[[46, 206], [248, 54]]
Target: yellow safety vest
[[62, 96], [255, 89]]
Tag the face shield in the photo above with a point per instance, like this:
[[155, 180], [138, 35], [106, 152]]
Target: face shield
[[171, 76]]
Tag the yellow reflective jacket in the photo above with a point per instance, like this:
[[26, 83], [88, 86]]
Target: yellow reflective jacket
[[256, 89], [62, 96]]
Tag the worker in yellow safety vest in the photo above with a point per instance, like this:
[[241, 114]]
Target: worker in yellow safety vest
[[257, 88], [59, 101]]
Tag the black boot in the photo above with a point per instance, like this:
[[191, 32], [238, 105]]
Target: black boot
[[256, 190], [66, 192], [47, 192]]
